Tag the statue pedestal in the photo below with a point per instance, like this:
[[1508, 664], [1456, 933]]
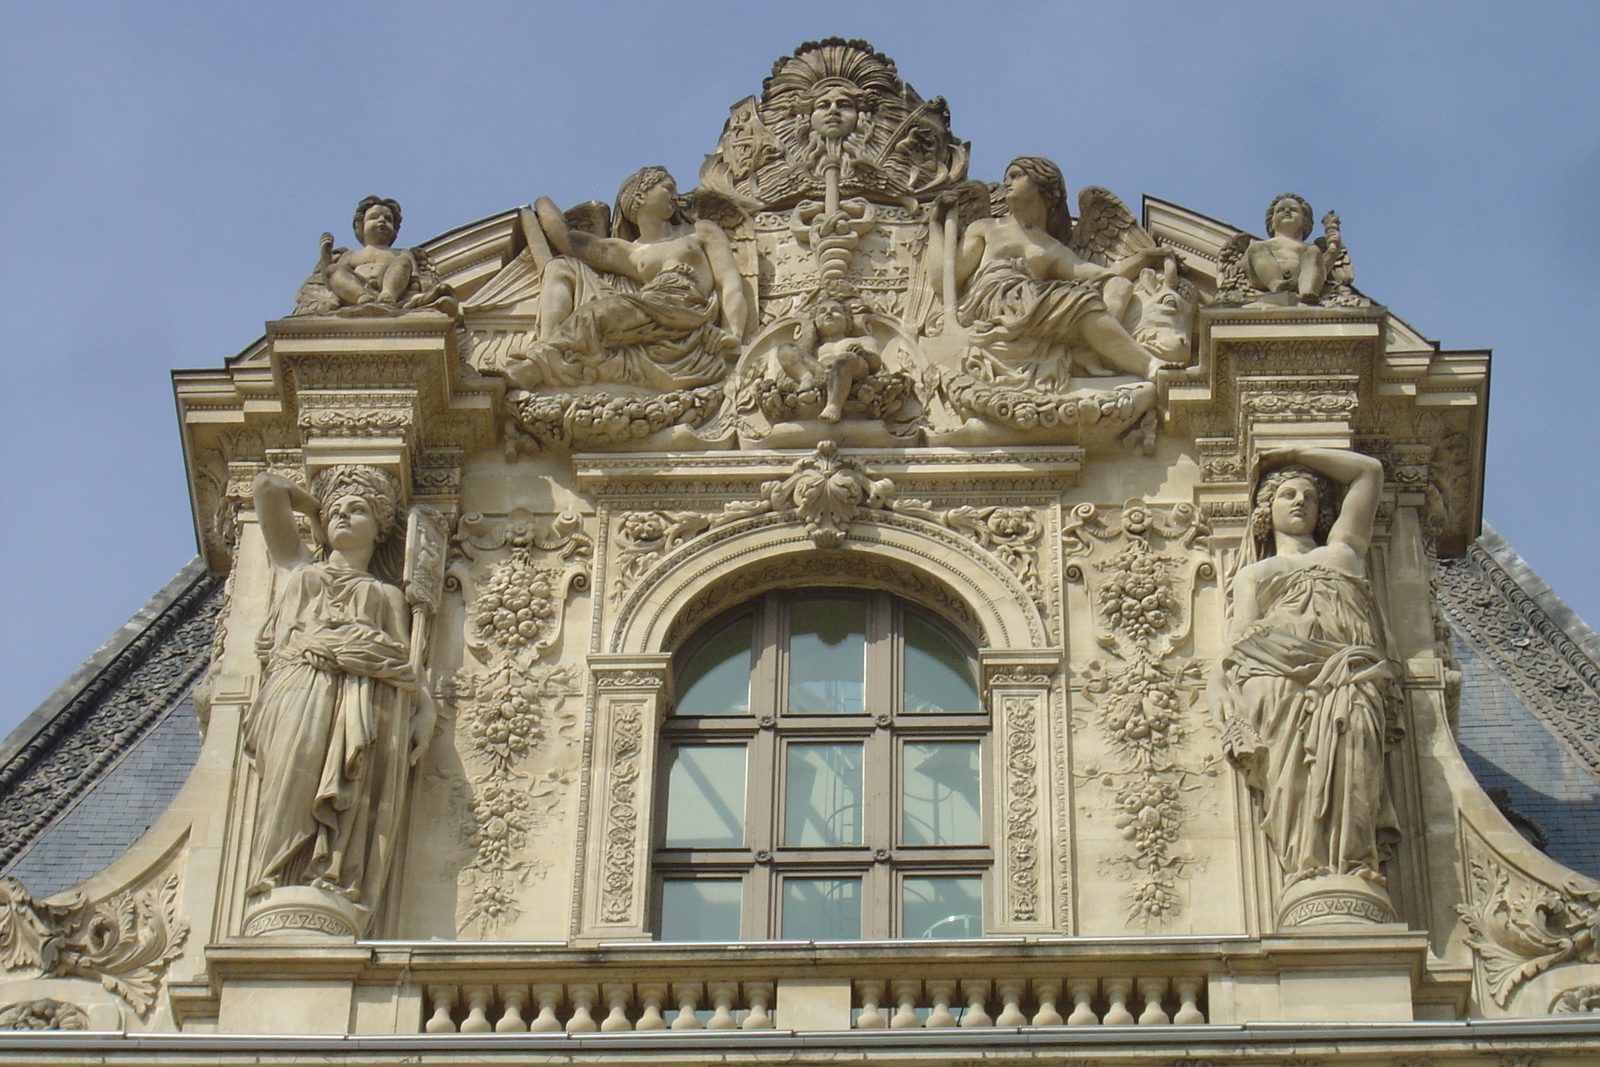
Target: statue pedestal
[[1334, 900], [304, 912]]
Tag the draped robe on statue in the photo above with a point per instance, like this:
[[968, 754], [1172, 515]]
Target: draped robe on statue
[[330, 744], [1314, 678], [1021, 324]]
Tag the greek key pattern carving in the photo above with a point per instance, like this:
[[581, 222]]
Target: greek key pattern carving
[[307, 919], [1143, 696], [622, 815], [128, 696], [1020, 715]]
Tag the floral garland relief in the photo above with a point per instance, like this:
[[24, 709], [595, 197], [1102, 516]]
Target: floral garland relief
[[511, 707], [1143, 695]]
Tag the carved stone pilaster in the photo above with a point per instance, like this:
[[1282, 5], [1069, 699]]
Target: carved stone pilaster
[[1018, 684], [626, 694]]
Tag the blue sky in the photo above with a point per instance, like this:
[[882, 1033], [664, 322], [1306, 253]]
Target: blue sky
[[167, 167]]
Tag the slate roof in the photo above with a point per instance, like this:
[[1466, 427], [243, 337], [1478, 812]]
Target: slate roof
[[88, 772]]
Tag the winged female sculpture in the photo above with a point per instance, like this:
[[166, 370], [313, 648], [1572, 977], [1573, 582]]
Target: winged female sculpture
[[660, 303]]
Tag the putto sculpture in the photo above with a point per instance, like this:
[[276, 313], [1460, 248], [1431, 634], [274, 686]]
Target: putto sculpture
[[376, 278], [1287, 266], [1307, 687]]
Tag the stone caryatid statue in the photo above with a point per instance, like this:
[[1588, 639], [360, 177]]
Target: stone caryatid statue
[[339, 717], [1307, 690], [1287, 267], [660, 303], [377, 278]]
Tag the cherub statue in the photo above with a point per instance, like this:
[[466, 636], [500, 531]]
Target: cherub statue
[[377, 277], [1287, 263], [833, 350], [660, 303]]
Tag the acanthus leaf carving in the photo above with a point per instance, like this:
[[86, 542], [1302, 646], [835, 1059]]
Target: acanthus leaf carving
[[1521, 927], [44, 1014], [124, 942]]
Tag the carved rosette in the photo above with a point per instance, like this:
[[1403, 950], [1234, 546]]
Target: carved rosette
[[1142, 698], [510, 705]]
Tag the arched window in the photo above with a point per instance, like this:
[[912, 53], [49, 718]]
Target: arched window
[[822, 775]]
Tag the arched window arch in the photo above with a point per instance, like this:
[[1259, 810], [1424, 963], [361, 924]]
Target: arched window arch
[[822, 770]]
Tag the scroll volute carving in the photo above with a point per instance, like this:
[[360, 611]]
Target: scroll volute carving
[[124, 942]]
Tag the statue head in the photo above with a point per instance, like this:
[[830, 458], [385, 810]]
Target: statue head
[[631, 198], [374, 487], [1046, 179], [1287, 499], [379, 208], [834, 107], [1292, 210]]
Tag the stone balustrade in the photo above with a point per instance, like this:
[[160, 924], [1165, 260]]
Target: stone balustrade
[[610, 1005]]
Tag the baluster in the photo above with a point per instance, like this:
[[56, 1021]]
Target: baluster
[[477, 1020], [871, 995], [687, 995], [758, 995], [1047, 991], [722, 996], [977, 993], [1189, 1013], [1081, 990], [1011, 1001], [444, 1002], [582, 1020], [547, 997], [1152, 990], [617, 995], [515, 998], [651, 994], [940, 994], [905, 992], [1117, 990]]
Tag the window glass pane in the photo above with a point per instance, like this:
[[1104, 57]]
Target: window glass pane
[[700, 909], [941, 802], [943, 906], [822, 909], [827, 642], [938, 674], [822, 800], [705, 796], [716, 680]]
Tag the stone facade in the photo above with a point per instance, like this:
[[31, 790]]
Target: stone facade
[[1196, 520]]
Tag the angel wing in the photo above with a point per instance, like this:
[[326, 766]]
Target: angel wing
[[1106, 230], [730, 212], [591, 217]]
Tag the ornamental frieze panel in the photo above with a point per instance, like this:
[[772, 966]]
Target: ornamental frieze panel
[[1140, 566]]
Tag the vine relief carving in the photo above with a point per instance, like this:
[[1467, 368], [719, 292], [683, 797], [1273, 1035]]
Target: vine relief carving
[[511, 706], [1141, 594], [124, 942]]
